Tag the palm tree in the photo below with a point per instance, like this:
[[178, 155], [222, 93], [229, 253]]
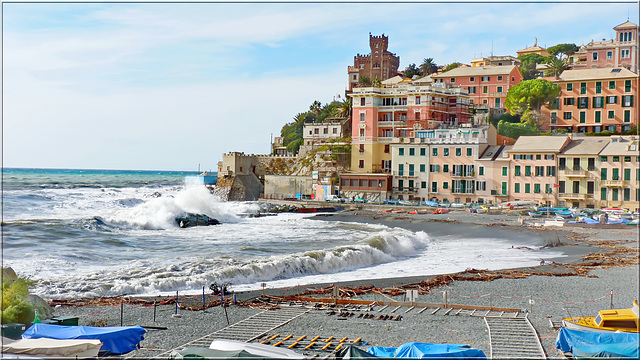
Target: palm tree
[[428, 67], [377, 82], [344, 109], [316, 107], [364, 81], [556, 66]]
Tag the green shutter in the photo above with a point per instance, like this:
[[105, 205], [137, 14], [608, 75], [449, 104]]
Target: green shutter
[[603, 174]]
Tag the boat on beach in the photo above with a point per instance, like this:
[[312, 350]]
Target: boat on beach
[[613, 320]]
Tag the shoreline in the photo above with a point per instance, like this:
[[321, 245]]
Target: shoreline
[[598, 261]]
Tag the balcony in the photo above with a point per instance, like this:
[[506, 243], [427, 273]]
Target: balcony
[[467, 191], [572, 196], [389, 123], [576, 173], [613, 183], [461, 175], [497, 94], [405, 174], [405, 189]]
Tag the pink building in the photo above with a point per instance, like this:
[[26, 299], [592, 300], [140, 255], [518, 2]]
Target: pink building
[[619, 52], [487, 85], [492, 184]]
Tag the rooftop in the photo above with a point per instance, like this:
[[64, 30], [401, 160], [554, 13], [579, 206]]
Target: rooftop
[[594, 74], [585, 146], [477, 71], [538, 144]]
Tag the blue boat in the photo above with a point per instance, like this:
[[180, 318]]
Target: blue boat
[[592, 344], [415, 350], [115, 339]]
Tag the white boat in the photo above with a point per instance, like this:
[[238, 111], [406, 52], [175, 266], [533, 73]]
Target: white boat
[[44, 348], [255, 349]]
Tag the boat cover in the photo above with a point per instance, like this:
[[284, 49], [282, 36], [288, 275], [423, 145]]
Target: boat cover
[[83, 348], [430, 203], [115, 339], [415, 350], [584, 343], [352, 352], [195, 352]]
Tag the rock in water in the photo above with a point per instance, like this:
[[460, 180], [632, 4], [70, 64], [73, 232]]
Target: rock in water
[[190, 220]]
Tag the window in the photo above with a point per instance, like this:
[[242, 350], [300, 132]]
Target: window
[[434, 152], [505, 171], [458, 151], [627, 174], [423, 167], [481, 170], [499, 77], [401, 151], [400, 169], [567, 115], [615, 174], [417, 100], [423, 152], [361, 164], [627, 159], [569, 87], [627, 116], [361, 149], [603, 193], [549, 157], [472, 79], [562, 163], [583, 117], [412, 151], [499, 89], [612, 99], [538, 157], [445, 185], [561, 187], [434, 186], [612, 84], [616, 158], [497, 102], [590, 187], [536, 188], [361, 132], [569, 101], [609, 55], [485, 89], [603, 158], [591, 164], [386, 148], [598, 102], [486, 78], [551, 171], [614, 194], [627, 86], [453, 80], [595, 56], [516, 187], [434, 168], [412, 170], [472, 89], [611, 114], [598, 87], [445, 152], [624, 54], [516, 170], [504, 188], [527, 171], [554, 118], [469, 152], [583, 88], [445, 168], [423, 185], [627, 100], [539, 170], [583, 103], [362, 115], [527, 188], [627, 194], [598, 117], [362, 100]]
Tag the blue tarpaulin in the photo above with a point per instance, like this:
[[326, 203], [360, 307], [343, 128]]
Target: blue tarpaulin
[[415, 350], [116, 339], [430, 203], [598, 344]]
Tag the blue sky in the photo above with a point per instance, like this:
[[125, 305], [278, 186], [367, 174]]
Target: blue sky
[[168, 86]]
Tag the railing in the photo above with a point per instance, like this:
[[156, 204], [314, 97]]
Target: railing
[[613, 183], [576, 173], [405, 174], [573, 196], [467, 191], [458, 175], [382, 123]]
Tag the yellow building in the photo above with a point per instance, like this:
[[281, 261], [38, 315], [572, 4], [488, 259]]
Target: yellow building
[[535, 49]]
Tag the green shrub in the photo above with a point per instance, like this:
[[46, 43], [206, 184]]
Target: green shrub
[[513, 131], [14, 301]]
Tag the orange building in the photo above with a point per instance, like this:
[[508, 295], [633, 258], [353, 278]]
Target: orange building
[[379, 64], [487, 85], [593, 100]]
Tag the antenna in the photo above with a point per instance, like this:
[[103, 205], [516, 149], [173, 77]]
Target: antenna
[[492, 48]]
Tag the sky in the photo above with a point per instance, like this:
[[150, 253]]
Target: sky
[[173, 86]]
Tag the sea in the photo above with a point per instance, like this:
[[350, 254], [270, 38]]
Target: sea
[[91, 233]]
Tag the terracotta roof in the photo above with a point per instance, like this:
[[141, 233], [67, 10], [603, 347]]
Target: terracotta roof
[[586, 146], [477, 71], [538, 144], [593, 74], [626, 25]]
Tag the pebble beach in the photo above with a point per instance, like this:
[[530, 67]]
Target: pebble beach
[[543, 297]]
